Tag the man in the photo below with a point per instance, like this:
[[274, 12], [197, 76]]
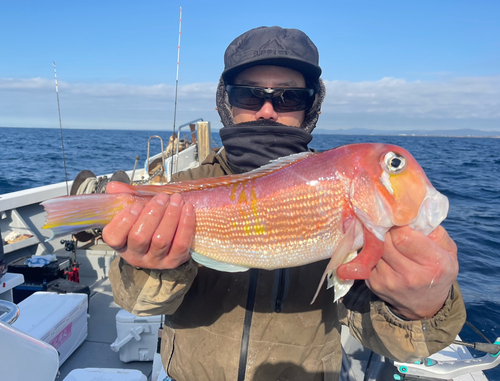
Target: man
[[259, 325]]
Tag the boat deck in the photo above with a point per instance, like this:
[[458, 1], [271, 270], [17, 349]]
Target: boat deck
[[95, 352]]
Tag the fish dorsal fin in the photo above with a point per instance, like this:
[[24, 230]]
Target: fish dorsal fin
[[212, 182]]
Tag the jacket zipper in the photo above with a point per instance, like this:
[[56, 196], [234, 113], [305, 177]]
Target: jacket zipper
[[278, 306], [252, 291]]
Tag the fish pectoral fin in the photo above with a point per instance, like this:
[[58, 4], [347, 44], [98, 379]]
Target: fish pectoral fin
[[342, 286], [339, 255], [217, 265], [361, 266]]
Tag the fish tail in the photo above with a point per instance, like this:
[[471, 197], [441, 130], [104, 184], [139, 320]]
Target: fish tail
[[72, 214]]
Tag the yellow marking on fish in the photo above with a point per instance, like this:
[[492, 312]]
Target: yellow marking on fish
[[259, 228], [243, 197], [87, 218], [76, 223], [233, 191], [253, 202], [247, 229]]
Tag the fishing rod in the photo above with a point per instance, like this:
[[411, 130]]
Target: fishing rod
[[60, 126], [176, 88]]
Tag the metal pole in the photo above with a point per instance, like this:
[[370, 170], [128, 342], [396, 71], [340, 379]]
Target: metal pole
[[60, 126]]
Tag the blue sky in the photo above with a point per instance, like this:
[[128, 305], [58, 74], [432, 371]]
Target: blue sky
[[386, 64]]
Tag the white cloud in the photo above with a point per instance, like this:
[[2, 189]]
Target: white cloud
[[388, 103], [112, 90], [456, 98], [32, 103], [25, 84]]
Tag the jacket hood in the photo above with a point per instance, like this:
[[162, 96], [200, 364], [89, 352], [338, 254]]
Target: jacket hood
[[310, 120]]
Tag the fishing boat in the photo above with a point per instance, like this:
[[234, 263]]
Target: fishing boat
[[100, 348]]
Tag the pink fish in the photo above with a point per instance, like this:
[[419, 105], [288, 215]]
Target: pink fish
[[294, 211]]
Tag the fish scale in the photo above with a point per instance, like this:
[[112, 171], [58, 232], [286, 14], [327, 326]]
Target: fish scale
[[287, 226]]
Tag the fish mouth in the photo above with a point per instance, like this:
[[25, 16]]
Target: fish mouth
[[433, 210]]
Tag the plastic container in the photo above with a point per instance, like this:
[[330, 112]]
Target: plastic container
[[7, 283], [137, 336], [64, 286], [25, 290], [24, 357], [89, 374], [57, 319], [50, 271]]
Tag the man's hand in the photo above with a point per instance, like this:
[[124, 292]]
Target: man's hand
[[416, 271], [156, 236]]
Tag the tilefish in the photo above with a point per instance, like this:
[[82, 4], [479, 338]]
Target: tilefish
[[296, 210]]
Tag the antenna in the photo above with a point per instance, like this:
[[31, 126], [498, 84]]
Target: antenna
[[177, 76], [60, 126]]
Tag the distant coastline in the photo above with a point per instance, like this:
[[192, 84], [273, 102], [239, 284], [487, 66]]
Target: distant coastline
[[458, 133]]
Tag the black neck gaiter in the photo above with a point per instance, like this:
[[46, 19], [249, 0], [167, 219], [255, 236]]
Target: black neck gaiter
[[251, 145]]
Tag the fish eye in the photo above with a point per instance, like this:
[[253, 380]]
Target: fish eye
[[394, 162]]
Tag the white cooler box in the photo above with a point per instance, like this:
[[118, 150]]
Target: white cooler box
[[99, 374], [137, 336], [57, 319]]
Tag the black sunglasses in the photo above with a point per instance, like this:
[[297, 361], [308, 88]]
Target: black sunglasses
[[284, 99]]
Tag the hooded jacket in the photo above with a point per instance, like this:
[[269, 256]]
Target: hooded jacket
[[259, 324]]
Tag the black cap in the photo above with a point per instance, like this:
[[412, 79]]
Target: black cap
[[289, 48]]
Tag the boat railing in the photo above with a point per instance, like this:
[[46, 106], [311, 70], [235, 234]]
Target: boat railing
[[9, 312], [186, 149], [162, 153], [198, 134]]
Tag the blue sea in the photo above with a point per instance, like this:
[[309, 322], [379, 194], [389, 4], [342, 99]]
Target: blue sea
[[466, 170]]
